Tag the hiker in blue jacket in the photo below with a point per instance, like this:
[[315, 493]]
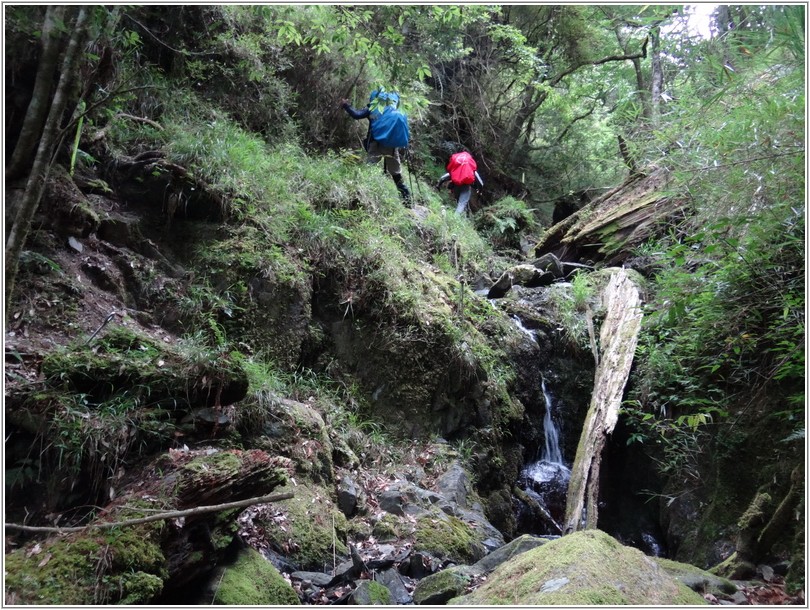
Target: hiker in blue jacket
[[375, 150]]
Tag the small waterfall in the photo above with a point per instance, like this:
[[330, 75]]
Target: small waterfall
[[545, 481], [551, 451], [532, 334]]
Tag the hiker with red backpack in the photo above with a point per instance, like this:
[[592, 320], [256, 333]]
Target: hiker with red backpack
[[463, 176], [387, 133]]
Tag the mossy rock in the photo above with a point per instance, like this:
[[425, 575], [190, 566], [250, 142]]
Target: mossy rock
[[64, 571], [442, 586], [734, 567], [584, 568], [388, 527], [252, 581], [123, 365], [271, 287], [371, 593], [448, 537], [696, 579], [311, 528], [135, 564]]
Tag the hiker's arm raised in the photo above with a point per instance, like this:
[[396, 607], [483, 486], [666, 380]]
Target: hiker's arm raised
[[355, 114]]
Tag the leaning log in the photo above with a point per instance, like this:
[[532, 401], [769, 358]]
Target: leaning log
[[609, 227], [618, 338], [139, 559]]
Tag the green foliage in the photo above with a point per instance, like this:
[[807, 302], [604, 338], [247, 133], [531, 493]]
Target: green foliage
[[724, 331], [503, 223], [582, 291], [675, 445], [569, 302]]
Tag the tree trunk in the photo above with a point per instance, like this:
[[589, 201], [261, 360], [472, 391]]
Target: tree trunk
[[657, 79], [42, 162], [618, 338], [41, 95]]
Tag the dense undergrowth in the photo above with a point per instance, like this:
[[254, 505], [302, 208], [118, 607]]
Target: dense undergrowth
[[303, 219]]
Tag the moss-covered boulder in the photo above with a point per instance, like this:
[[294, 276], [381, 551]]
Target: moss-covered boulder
[[442, 586], [696, 579], [448, 537], [251, 581], [119, 565], [125, 366], [370, 593], [308, 530], [299, 432], [584, 568]]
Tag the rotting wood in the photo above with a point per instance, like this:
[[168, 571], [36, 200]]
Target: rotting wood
[[199, 510], [618, 338], [609, 227]]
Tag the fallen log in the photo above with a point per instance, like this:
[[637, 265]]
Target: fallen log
[[608, 228], [618, 338]]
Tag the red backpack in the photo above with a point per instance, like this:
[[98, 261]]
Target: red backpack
[[462, 168]]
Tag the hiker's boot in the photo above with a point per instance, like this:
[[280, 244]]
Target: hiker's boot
[[403, 189]]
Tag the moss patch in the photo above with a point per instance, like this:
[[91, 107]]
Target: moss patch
[[697, 579], [439, 587], [584, 568], [309, 529], [253, 581], [65, 571], [448, 537]]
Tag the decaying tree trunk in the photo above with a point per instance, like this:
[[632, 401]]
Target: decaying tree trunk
[[133, 563], [618, 338], [609, 227]]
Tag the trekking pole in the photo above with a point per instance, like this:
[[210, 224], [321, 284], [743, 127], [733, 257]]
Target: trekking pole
[[410, 171], [408, 158]]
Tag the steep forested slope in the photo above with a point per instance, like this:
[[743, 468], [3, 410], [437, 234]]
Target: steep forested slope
[[210, 296]]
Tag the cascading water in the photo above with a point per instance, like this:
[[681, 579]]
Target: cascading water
[[545, 481], [551, 451]]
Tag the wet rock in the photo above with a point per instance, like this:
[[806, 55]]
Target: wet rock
[[500, 287], [506, 552], [318, 579], [739, 599], [525, 275], [455, 485], [766, 571], [401, 500], [419, 565], [208, 415], [482, 284], [281, 563]]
